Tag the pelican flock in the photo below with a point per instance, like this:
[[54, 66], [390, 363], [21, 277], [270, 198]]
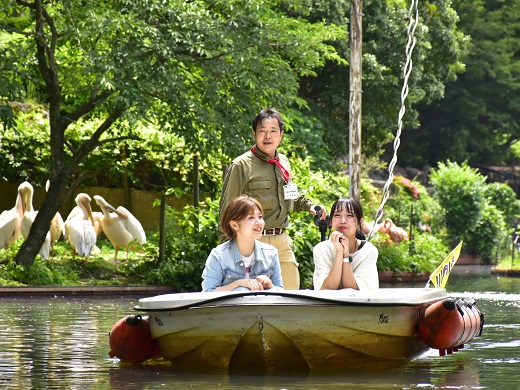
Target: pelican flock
[[81, 228], [121, 227]]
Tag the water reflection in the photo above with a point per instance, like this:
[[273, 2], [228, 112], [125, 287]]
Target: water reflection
[[56, 343]]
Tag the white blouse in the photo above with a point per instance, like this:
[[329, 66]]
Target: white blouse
[[364, 265]]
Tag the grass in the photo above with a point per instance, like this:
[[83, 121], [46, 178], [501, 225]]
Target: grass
[[508, 263]]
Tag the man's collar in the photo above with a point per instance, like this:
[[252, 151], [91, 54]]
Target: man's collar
[[263, 155]]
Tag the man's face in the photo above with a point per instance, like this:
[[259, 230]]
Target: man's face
[[268, 136]]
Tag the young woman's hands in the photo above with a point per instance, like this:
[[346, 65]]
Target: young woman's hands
[[340, 243], [265, 281], [260, 283]]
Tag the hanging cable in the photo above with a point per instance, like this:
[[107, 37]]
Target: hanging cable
[[413, 16]]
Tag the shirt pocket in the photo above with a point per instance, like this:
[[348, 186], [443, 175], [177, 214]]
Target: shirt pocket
[[231, 275], [267, 272], [263, 192]]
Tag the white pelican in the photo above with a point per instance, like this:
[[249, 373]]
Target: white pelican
[[77, 213], [10, 223], [79, 230], [97, 216], [26, 191], [121, 227], [57, 228]]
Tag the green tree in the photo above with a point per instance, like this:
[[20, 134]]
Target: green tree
[[198, 69], [436, 61], [477, 121]]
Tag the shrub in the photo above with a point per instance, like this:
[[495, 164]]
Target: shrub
[[477, 213], [410, 205], [504, 198], [422, 254], [460, 191], [190, 236], [484, 238]]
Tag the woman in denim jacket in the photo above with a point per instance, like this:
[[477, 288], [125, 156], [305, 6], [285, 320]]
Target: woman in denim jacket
[[243, 262]]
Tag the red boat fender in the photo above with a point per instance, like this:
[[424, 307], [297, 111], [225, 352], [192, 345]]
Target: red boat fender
[[131, 341], [446, 325]]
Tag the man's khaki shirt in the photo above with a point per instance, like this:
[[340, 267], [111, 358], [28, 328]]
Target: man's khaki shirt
[[251, 176]]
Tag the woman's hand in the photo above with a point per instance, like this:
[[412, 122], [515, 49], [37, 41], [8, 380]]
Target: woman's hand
[[253, 284], [340, 243], [264, 281]]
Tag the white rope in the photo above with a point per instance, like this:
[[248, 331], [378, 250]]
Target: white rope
[[413, 15]]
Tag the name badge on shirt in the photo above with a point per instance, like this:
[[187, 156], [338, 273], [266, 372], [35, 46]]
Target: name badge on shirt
[[290, 191]]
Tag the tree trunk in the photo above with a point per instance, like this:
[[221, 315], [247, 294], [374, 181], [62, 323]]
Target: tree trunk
[[50, 206], [356, 59]]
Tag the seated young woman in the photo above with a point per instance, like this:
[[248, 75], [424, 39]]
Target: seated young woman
[[345, 259], [243, 262]]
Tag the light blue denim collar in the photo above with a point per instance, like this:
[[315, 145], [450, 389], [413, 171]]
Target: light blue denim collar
[[259, 255]]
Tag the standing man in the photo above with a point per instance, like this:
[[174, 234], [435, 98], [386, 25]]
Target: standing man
[[264, 174]]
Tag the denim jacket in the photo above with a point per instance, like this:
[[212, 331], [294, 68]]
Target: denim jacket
[[225, 265]]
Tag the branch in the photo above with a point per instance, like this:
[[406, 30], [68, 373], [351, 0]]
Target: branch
[[54, 37], [93, 142], [86, 107], [122, 138], [44, 52], [25, 3]]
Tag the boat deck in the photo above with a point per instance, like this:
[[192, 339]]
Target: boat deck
[[346, 297]]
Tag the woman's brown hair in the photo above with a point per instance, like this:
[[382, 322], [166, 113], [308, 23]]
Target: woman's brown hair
[[237, 210]]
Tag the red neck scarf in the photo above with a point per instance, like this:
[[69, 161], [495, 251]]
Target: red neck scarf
[[285, 173]]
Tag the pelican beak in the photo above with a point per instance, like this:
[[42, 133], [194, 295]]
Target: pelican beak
[[86, 202], [25, 196], [24, 202], [89, 210], [113, 209]]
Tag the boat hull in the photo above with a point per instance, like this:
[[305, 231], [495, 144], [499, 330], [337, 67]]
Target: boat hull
[[297, 331]]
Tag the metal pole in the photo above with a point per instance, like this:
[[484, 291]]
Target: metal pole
[[162, 229], [196, 195], [356, 56]]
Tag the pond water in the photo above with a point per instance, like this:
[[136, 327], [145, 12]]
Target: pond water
[[62, 343]]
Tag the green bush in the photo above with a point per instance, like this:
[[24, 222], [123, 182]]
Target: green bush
[[191, 234], [477, 213], [39, 274], [460, 191], [410, 206], [485, 237], [504, 198], [423, 253]]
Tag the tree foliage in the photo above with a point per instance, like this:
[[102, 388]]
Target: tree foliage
[[196, 69], [436, 60], [477, 121], [475, 212], [138, 88]]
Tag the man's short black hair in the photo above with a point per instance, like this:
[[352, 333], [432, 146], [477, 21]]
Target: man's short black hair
[[268, 113]]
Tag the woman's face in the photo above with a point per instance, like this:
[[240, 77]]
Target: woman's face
[[251, 226], [345, 222]]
